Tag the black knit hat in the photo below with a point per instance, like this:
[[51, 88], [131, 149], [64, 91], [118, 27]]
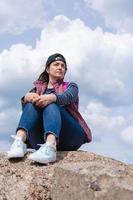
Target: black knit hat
[[55, 57]]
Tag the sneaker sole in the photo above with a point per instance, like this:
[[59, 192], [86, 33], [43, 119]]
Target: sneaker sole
[[15, 156], [42, 162]]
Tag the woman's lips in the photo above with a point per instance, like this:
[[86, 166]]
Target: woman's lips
[[59, 71]]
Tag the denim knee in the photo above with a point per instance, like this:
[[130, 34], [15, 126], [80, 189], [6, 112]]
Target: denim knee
[[30, 115], [52, 119], [51, 106], [29, 105]]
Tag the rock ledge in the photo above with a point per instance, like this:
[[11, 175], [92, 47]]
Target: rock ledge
[[75, 176]]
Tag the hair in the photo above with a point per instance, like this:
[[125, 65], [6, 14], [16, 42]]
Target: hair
[[44, 75]]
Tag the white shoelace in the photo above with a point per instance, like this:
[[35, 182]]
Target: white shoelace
[[16, 142], [46, 147]]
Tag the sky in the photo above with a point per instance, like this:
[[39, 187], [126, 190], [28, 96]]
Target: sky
[[96, 38]]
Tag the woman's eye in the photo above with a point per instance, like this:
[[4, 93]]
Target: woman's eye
[[56, 64]]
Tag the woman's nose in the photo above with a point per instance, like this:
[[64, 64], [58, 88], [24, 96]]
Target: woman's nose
[[59, 66]]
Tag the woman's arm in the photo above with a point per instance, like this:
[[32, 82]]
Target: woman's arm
[[65, 98], [28, 97], [69, 96], [33, 90]]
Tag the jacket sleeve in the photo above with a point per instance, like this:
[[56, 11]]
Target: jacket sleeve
[[22, 99], [70, 95]]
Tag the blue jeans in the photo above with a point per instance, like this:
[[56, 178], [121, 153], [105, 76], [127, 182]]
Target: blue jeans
[[55, 119]]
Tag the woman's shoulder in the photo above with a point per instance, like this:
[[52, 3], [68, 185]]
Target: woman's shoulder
[[70, 83]]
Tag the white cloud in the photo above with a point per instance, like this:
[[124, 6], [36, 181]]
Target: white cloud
[[110, 147], [19, 63], [118, 14], [8, 120], [103, 120], [18, 16], [127, 134]]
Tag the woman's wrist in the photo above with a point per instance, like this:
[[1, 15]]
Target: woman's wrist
[[53, 97]]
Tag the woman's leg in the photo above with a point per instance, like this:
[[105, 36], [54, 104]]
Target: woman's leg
[[72, 135], [58, 122], [52, 122], [52, 126], [61, 126], [28, 120]]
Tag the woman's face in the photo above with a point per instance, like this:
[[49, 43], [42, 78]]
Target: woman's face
[[57, 70]]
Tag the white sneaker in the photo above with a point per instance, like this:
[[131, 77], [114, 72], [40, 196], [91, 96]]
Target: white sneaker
[[18, 148], [45, 154]]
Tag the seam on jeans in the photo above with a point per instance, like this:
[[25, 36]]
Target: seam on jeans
[[50, 132], [21, 127]]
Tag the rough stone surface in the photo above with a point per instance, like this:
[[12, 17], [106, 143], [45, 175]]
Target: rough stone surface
[[21, 179], [75, 176], [92, 177]]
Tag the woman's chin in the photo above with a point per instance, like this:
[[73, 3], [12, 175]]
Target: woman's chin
[[59, 77]]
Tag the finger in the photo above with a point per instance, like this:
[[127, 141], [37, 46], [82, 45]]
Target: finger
[[41, 103], [36, 96], [33, 100], [38, 103], [36, 99]]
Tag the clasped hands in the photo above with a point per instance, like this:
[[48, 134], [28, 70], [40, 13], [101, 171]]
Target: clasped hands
[[40, 100]]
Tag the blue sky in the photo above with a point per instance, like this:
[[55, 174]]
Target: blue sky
[[96, 37]]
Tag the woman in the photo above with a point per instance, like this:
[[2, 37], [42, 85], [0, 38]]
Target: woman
[[50, 116]]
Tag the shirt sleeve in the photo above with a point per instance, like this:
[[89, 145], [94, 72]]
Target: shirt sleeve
[[22, 99], [70, 95]]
